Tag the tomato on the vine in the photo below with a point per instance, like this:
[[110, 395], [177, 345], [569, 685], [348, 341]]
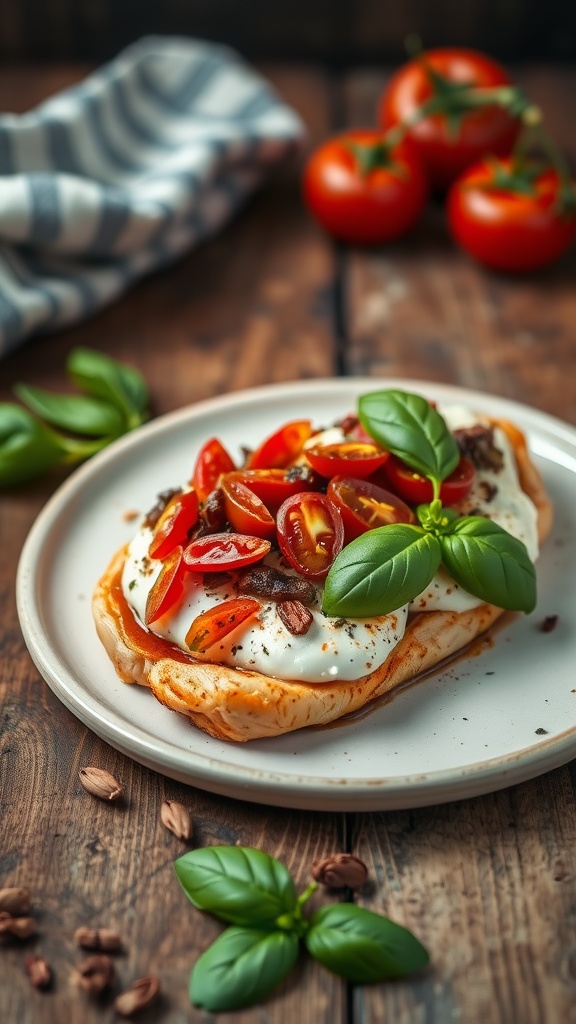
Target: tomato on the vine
[[213, 460], [220, 551], [363, 191], [310, 533], [448, 81], [354, 458], [417, 490], [364, 506], [244, 509], [510, 216], [217, 623], [282, 447]]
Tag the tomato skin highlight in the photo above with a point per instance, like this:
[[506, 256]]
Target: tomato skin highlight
[[310, 533], [245, 511], [365, 208], [171, 530], [212, 461], [218, 551], [272, 486], [506, 230], [282, 447], [213, 625], [443, 154], [365, 506], [167, 588], [417, 490], [347, 458]]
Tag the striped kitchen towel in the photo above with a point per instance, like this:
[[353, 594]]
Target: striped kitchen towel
[[124, 172]]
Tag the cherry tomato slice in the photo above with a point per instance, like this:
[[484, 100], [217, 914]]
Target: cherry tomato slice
[[364, 506], [282, 447], [416, 489], [273, 486], [212, 461], [355, 458], [244, 510], [213, 625], [171, 530], [310, 533], [217, 551], [167, 589]]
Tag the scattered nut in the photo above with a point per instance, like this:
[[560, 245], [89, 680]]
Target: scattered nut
[[138, 996], [16, 901], [38, 970], [177, 818], [100, 783], [295, 616], [340, 870], [98, 938], [21, 927], [95, 973], [549, 623]]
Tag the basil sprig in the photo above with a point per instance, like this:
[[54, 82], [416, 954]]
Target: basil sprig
[[255, 893], [65, 429], [388, 567]]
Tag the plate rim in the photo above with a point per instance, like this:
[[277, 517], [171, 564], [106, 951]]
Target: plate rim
[[284, 789]]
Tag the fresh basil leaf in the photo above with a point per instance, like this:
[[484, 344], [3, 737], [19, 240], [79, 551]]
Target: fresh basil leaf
[[241, 967], [102, 377], [27, 447], [237, 883], [490, 563], [409, 427], [362, 946], [381, 571], [76, 413]]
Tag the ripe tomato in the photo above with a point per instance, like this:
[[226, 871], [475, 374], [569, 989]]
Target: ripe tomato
[[273, 486], [362, 192], [364, 506], [511, 219], [282, 447], [449, 142], [355, 458], [310, 533], [217, 551], [244, 510], [171, 530], [212, 461], [167, 588], [417, 490], [213, 625]]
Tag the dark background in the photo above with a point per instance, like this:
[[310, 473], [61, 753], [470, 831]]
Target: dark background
[[335, 32]]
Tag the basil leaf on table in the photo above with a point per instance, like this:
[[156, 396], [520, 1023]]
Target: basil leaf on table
[[362, 946], [381, 571], [237, 884], [241, 967], [75, 413], [409, 427], [490, 563], [27, 447], [102, 377]]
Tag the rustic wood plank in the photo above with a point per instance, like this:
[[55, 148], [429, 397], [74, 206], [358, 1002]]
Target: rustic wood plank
[[419, 308], [245, 309]]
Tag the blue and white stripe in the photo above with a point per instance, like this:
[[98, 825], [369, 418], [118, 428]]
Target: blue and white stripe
[[123, 173]]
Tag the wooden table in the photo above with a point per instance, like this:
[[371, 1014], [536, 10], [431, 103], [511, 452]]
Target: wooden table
[[489, 884]]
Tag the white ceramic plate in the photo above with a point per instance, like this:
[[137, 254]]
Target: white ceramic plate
[[479, 725]]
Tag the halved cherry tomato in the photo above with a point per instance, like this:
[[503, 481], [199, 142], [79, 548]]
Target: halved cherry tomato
[[217, 551], [213, 625], [417, 490], [212, 461], [171, 530], [354, 458], [167, 589], [282, 447], [364, 506], [273, 486], [244, 510], [310, 533]]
